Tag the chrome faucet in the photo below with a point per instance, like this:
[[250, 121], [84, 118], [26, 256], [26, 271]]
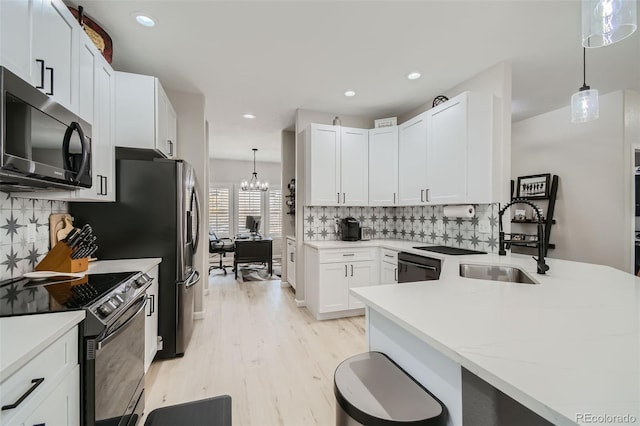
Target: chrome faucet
[[542, 266]]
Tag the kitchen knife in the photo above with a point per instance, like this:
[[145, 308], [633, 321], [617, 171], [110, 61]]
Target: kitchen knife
[[86, 230], [92, 251], [70, 235]]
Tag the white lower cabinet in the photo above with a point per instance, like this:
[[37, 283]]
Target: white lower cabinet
[[330, 274], [151, 320], [291, 262], [388, 266], [46, 390]]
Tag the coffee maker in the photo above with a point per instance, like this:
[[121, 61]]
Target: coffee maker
[[350, 229]]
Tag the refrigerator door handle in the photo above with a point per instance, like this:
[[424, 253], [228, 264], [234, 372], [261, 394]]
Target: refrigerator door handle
[[192, 280], [196, 235]]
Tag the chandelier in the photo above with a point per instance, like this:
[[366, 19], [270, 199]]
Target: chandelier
[[584, 103], [254, 184]]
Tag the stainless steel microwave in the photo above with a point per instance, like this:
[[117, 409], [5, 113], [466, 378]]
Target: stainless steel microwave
[[43, 145]]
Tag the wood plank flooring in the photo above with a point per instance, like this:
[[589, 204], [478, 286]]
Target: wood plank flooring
[[274, 359]]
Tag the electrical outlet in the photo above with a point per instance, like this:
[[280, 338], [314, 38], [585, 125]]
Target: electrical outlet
[[484, 227], [31, 233]]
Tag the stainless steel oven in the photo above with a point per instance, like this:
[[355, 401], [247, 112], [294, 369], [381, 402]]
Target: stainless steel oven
[[412, 268], [119, 368]]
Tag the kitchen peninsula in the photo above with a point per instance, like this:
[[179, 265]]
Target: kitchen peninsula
[[567, 348]]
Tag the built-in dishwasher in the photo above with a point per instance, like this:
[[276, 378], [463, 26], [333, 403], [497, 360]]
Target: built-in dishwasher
[[412, 267]]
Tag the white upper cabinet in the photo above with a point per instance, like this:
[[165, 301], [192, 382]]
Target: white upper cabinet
[[354, 166], [383, 166], [87, 67], [337, 165], [412, 161], [144, 116], [460, 150], [38, 41]]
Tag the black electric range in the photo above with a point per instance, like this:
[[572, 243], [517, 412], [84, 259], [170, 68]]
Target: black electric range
[[454, 251], [100, 295]]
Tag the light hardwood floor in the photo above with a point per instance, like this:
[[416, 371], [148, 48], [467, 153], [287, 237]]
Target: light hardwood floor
[[274, 359]]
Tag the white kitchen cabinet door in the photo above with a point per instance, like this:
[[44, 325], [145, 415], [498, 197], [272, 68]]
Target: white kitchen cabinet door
[[447, 153], [334, 287], [354, 166], [102, 155], [291, 263], [87, 58], [54, 64], [460, 150], [383, 166], [388, 273], [62, 405], [361, 274], [144, 115], [412, 161], [151, 320], [323, 165], [16, 25]]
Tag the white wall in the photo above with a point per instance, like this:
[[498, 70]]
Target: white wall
[[288, 156], [593, 161], [235, 171], [194, 149]]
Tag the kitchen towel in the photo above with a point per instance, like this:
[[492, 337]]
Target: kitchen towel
[[466, 210]]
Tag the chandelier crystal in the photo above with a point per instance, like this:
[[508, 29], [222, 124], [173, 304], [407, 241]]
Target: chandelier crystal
[[254, 184]]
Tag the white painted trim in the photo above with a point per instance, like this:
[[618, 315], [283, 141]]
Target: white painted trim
[[198, 315], [300, 303]]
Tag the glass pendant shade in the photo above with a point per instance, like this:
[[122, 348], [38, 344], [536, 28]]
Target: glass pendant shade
[[584, 105], [605, 22], [254, 184]]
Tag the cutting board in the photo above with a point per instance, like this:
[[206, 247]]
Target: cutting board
[[60, 224]]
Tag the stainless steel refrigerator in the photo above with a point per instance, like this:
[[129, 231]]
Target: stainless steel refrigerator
[[156, 214]]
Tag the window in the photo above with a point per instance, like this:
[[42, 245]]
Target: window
[[219, 209], [275, 212], [249, 203]]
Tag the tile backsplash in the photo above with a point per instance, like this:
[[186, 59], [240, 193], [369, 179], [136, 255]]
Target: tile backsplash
[[17, 256], [426, 224]]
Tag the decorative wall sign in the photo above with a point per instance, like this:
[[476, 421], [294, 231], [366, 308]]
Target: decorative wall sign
[[534, 186]]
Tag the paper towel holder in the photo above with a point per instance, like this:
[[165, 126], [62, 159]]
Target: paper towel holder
[[463, 211]]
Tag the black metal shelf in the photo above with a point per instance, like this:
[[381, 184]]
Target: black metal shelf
[[548, 221]]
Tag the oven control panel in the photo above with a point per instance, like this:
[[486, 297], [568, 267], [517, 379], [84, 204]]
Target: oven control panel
[[118, 298]]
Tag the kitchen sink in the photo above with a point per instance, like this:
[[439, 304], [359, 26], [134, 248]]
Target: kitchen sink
[[495, 273]]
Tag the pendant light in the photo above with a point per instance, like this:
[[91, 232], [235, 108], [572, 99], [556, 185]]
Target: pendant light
[[584, 103], [254, 184], [605, 22]]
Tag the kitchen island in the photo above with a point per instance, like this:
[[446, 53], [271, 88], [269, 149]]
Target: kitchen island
[[567, 348]]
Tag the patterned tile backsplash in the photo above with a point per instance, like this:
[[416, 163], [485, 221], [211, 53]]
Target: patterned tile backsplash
[[426, 224], [17, 256]]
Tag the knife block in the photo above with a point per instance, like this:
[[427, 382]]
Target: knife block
[[59, 259]]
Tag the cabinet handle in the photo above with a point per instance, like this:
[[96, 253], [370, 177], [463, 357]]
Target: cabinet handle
[[427, 192], [394, 198], [395, 274], [50, 93], [106, 191], [388, 255], [345, 270], [338, 198], [352, 270], [291, 257], [153, 303], [344, 200], [100, 190], [349, 254], [36, 383], [41, 85], [170, 148], [422, 195]]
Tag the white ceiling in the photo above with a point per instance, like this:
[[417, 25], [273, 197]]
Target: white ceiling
[[270, 58]]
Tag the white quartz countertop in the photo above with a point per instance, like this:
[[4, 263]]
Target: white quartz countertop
[[123, 265], [565, 346], [23, 337]]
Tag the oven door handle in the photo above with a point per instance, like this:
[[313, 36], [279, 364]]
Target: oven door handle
[[430, 268], [111, 334]]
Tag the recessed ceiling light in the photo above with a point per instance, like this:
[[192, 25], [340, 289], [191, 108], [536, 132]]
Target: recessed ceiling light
[[413, 75], [248, 115], [349, 93], [145, 20]]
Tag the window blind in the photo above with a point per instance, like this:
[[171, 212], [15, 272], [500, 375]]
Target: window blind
[[219, 217], [275, 212], [249, 204]]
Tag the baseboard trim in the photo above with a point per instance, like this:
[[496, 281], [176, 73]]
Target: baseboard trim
[[284, 284], [198, 315], [300, 303]]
